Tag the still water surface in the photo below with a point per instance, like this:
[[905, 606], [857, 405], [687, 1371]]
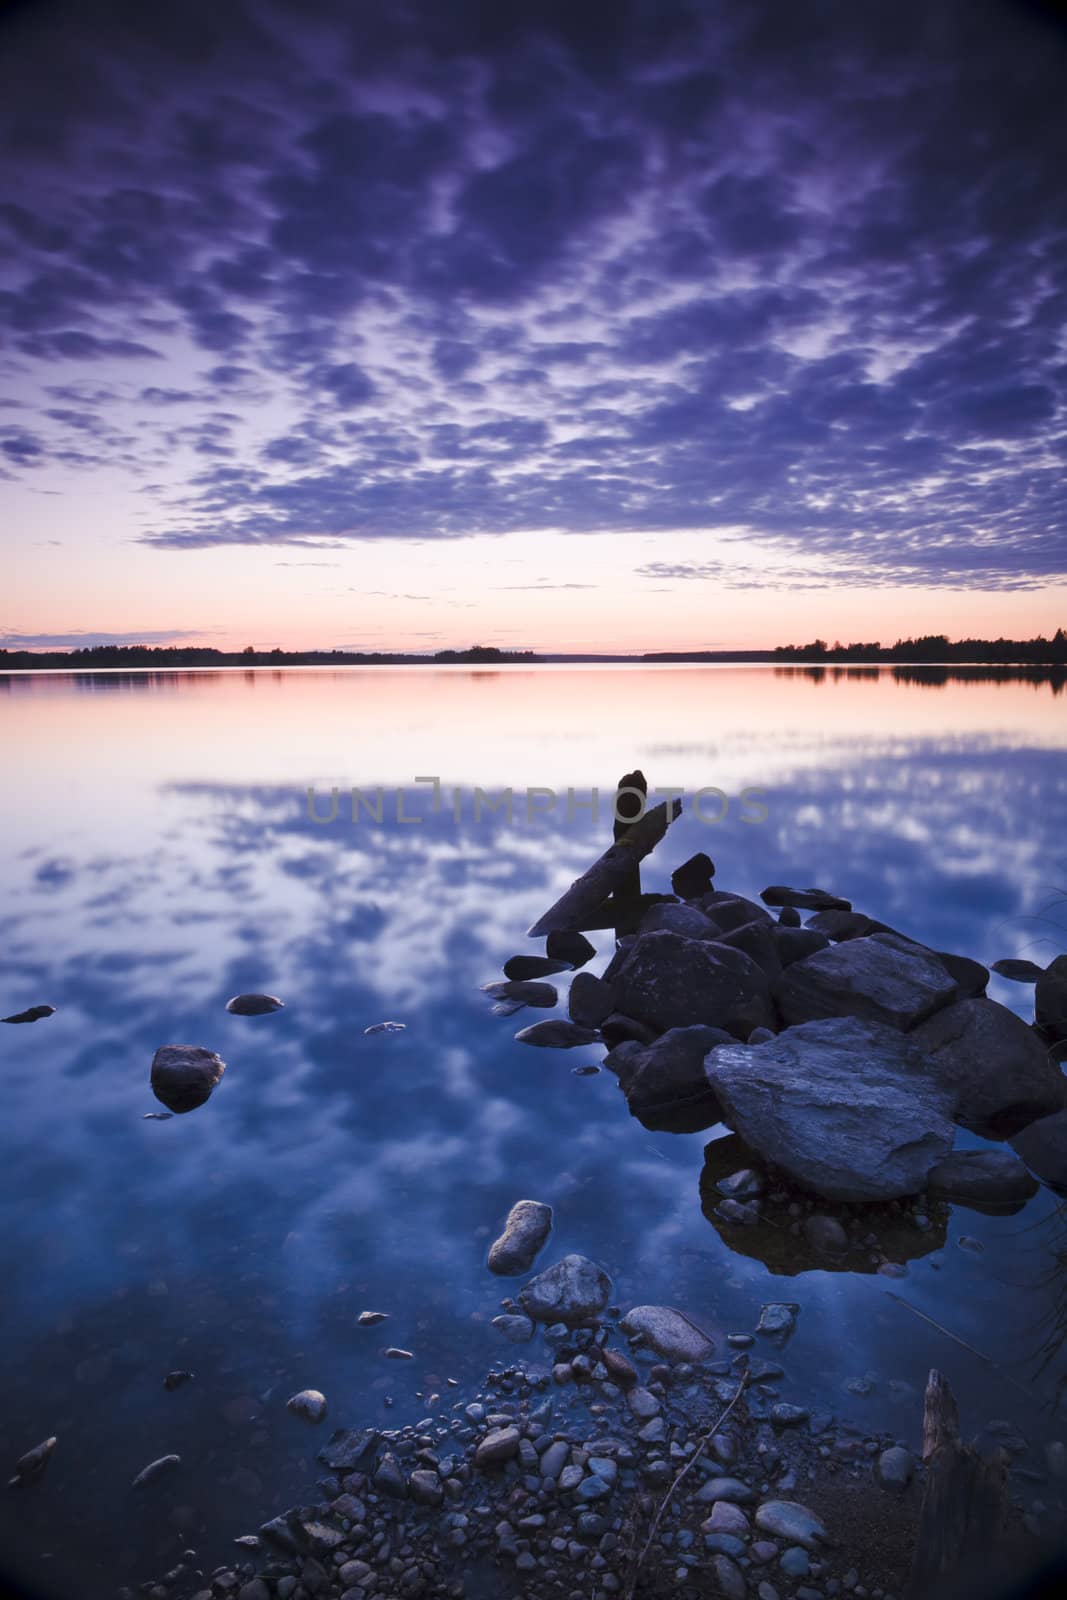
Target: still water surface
[[159, 857]]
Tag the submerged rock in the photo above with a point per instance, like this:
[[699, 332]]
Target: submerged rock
[[526, 1232], [618, 1368], [995, 1066], [520, 967], [516, 1329], [254, 1005], [572, 1290], [845, 1107], [310, 1404], [778, 1320], [393, 1352], [350, 1449], [158, 1116], [174, 1380], [557, 1034], [28, 1468], [671, 1334], [672, 982], [665, 1084], [184, 1075], [825, 1234], [1043, 1146], [573, 948], [34, 1014], [156, 1469], [994, 1177], [875, 978]]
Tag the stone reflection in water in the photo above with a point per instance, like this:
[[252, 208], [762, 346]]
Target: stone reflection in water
[[874, 1235]]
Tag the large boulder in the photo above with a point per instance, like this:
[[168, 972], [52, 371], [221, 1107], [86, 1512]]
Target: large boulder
[[756, 939], [731, 910], [1043, 1146], [184, 1075], [689, 921], [571, 1291], [879, 978], [846, 1107], [995, 1065], [981, 1177], [671, 1334], [665, 1085], [672, 982]]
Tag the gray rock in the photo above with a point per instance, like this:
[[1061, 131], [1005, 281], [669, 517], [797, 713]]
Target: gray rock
[[804, 899], [794, 1562], [733, 1490], [784, 1415], [841, 925], [573, 948], [367, 1319], [971, 977], [517, 1330], [993, 1177], [389, 1477], [254, 1005], [623, 1056], [778, 1320], [671, 982], [729, 1579], [520, 968], [350, 1449], [526, 1232], [555, 1459], [995, 1066], [1018, 971], [184, 1075], [593, 1488], [896, 1467], [572, 1290], [525, 992], [847, 1108], [590, 1000], [643, 1403], [671, 1334], [789, 917], [619, 1029], [1050, 1001], [425, 1488], [666, 1087], [726, 1518], [688, 921], [786, 1519], [1043, 1146], [310, 1404], [557, 1034], [878, 979], [758, 940], [618, 1368], [825, 1234], [797, 944], [732, 910]]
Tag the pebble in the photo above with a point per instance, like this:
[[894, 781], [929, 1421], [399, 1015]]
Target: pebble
[[643, 1403], [794, 1562], [309, 1404], [895, 1468], [392, 1352], [497, 1447], [516, 1329]]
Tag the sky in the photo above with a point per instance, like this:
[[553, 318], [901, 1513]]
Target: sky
[[555, 325]]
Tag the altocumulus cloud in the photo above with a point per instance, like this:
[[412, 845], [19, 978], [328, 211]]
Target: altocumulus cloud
[[475, 269]]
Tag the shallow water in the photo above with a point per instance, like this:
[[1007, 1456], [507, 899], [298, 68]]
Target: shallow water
[[159, 857]]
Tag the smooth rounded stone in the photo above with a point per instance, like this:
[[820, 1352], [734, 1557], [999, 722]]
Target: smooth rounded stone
[[794, 1562], [994, 1177], [643, 1403], [254, 1589], [688, 921], [729, 910], [653, 1431], [787, 1519], [526, 1231], [175, 1379], [729, 1578], [1018, 971], [572, 1290], [881, 978], [425, 1488], [670, 1333], [841, 925], [386, 1027], [896, 1467], [557, 1034], [521, 967], [498, 1446], [515, 995], [733, 1490], [778, 1319], [572, 948], [797, 944], [845, 1107], [156, 1469], [594, 1488], [825, 1234], [694, 877], [1050, 1001], [184, 1075], [393, 1352], [1043, 1146], [389, 1477], [789, 917], [726, 1517], [804, 899], [762, 1551], [367, 1319], [555, 1458], [33, 1014], [309, 1404], [971, 977], [784, 1415], [618, 1368], [571, 1477], [516, 1329], [994, 1064], [671, 982], [254, 1005], [590, 1000], [28, 1468]]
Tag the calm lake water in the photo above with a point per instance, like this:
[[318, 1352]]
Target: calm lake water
[[159, 857]]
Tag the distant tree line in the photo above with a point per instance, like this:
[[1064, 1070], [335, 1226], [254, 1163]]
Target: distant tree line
[[141, 655], [933, 647]]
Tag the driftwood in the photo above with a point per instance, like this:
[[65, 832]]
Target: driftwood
[[583, 905], [965, 1504]]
